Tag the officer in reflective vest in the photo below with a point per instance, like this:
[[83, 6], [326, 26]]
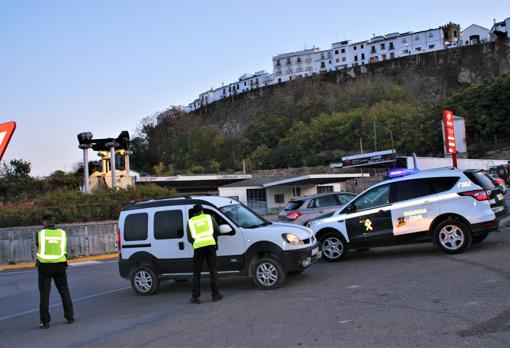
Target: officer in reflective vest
[[52, 264], [204, 230]]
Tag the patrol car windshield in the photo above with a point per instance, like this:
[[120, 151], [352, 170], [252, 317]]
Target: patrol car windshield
[[243, 216]]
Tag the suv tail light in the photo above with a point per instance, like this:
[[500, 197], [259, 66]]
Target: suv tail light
[[479, 195], [293, 216], [119, 246]]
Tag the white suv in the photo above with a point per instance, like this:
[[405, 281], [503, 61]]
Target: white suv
[[155, 243], [450, 207]]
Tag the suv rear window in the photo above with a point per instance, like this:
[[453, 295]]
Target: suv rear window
[[480, 179], [444, 184], [409, 189], [135, 227], [293, 205]]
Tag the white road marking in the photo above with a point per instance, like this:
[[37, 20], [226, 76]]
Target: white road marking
[[58, 305], [84, 263], [345, 321], [353, 287]]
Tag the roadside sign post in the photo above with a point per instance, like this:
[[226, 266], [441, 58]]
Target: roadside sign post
[[6, 132], [449, 135]]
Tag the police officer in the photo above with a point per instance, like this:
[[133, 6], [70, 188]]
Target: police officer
[[52, 264], [204, 231]]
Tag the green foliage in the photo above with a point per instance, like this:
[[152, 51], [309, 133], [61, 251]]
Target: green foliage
[[486, 108], [74, 206], [310, 121]]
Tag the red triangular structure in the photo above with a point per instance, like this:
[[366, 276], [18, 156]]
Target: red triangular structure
[[6, 131]]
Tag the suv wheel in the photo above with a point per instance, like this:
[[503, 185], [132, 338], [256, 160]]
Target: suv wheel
[[333, 246], [453, 236], [144, 281], [268, 273]]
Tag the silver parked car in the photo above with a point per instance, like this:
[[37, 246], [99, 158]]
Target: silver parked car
[[303, 209]]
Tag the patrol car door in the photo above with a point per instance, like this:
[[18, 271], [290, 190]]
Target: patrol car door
[[368, 218], [230, 246], [169, 245], [414, 205]]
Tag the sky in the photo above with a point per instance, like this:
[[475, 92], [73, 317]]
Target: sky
[[69, 66]]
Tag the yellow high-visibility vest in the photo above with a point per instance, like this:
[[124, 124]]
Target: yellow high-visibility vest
[[202, 231], [52, 246]]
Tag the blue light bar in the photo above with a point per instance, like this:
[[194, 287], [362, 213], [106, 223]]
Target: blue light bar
[[400, 172]]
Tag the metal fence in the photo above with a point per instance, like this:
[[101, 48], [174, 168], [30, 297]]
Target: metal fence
[[86, 239]]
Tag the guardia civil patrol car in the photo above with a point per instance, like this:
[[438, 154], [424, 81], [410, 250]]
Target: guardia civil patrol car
[[155, 243], [450, 207]]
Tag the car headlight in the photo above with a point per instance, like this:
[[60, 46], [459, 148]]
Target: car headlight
[[292, 239]]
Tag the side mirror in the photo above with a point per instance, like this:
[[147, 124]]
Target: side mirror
[[351, 208], [225, 229]]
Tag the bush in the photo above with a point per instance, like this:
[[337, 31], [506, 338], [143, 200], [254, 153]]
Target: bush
[[73, 206]]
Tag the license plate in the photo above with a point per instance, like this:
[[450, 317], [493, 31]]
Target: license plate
[[500, 196], [315, 251]]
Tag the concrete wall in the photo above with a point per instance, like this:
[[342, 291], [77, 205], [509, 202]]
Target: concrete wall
[[93, 238]]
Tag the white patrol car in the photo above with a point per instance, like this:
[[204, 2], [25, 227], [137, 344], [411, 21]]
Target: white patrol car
[[450, 207], [155, 243]]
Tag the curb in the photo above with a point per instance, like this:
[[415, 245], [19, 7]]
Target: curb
[[75, 260]]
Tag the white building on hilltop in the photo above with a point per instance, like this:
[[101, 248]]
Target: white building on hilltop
[[346, 54], [473, 35], [288, 66], [500, 28]]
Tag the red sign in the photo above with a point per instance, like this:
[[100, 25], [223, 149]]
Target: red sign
[[449, 132], [6, 131]]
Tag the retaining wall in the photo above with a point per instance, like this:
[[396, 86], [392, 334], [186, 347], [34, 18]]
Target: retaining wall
[[84, 239]]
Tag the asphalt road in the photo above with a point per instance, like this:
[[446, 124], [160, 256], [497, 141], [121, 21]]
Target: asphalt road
[[387, 297]]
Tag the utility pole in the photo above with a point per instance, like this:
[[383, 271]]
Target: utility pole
[[375, 137]]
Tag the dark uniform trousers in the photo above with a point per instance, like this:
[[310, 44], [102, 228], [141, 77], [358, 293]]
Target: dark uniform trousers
[[57, 272], [200, 255]]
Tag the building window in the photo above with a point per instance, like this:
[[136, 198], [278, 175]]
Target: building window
[[343, 59], [373, 49], [323, 65], [336, 51], [328, 188], [245, 83], [363, 56], [431, 35], [431, 46], [288, 60], [383, 57], [337, 60], [418, 49], [362, 46], [278, 62], [392, 55], [279, 79], [405, 51], [417, 37], [299, 59], [355, 48], [391, 46], [383, 46], [279, 198], [404, 40], [343, 50], [355, 56], [296, 192]]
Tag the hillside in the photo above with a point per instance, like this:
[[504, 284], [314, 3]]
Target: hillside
[[312, 121]]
